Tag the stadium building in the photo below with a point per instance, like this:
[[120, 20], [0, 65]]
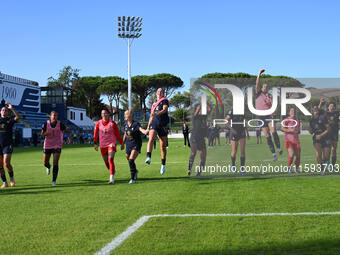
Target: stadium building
[[34, 103]]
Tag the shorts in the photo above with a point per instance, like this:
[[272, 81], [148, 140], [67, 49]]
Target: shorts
[[333, 137], [265, 122], [7, 149], [258, 133], [136, 147], [325, 142], [161, 129], [199, 142], [106, 150], [294, 145], [241, 133], [52, 151]]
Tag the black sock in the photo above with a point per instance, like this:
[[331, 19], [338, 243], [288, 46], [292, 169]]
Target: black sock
[[333, 160], [276, 140], [55, 172], [191, 161], [148, 154], [270, 144], [202, 164], [11, 174], [47, 165], [132, 168], [233, 159], [3, 177], [163, 161], [243, 161]]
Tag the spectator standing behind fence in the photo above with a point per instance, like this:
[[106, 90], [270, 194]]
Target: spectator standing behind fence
[[185, 131]]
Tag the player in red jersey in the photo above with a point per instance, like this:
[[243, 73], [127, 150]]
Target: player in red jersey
[[108, 133], [291, 128]]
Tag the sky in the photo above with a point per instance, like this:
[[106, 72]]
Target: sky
[[185, 38]]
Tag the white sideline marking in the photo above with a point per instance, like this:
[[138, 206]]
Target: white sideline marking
[[123, 236], [107, 249]]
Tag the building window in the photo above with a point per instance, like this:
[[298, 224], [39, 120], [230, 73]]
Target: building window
[[81, 116]]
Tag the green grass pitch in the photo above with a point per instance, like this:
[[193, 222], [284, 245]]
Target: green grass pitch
[[83, 213]]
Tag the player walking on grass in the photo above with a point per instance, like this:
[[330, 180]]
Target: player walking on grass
[[157, 125], [108, 133], [132, 138], [291, 129], [239, 132], [333, 118], [264, 102], [53, 130], [6, 142], [197, 139], [319, 127]]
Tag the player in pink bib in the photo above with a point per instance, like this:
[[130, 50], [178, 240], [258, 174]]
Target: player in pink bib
[[264, 102], [108, 133], [53, 130], [291, 129]]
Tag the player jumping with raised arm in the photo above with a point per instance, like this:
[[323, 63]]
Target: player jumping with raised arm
[[291, 128], [53, 130], [157, 125], [6, 142], [319, 127], [264, 102], [132, 138], [108, 133], [239, 132], [333, 118]]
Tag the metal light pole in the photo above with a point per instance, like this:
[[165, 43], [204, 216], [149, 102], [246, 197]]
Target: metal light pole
[[129, 28]]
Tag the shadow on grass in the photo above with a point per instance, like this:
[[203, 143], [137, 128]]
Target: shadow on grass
[[46, 188], [8, 192], [316, 247], [37, 189]]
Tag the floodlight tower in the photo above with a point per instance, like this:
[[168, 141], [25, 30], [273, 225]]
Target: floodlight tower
[[129, 28]]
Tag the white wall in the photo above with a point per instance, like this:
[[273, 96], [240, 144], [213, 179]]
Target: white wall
[[74, 115]]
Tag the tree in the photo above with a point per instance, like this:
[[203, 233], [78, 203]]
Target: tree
[[180, 114], [66, 77], [86, 87], [141, 86], [168, 82], [135, 101], [112, 87], [152, 98], [181, 100]]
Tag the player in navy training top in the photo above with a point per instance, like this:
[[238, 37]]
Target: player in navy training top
[[319, 127], [133, 140], [239, 133], [6, 142], [158, 122], [333, 118]]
